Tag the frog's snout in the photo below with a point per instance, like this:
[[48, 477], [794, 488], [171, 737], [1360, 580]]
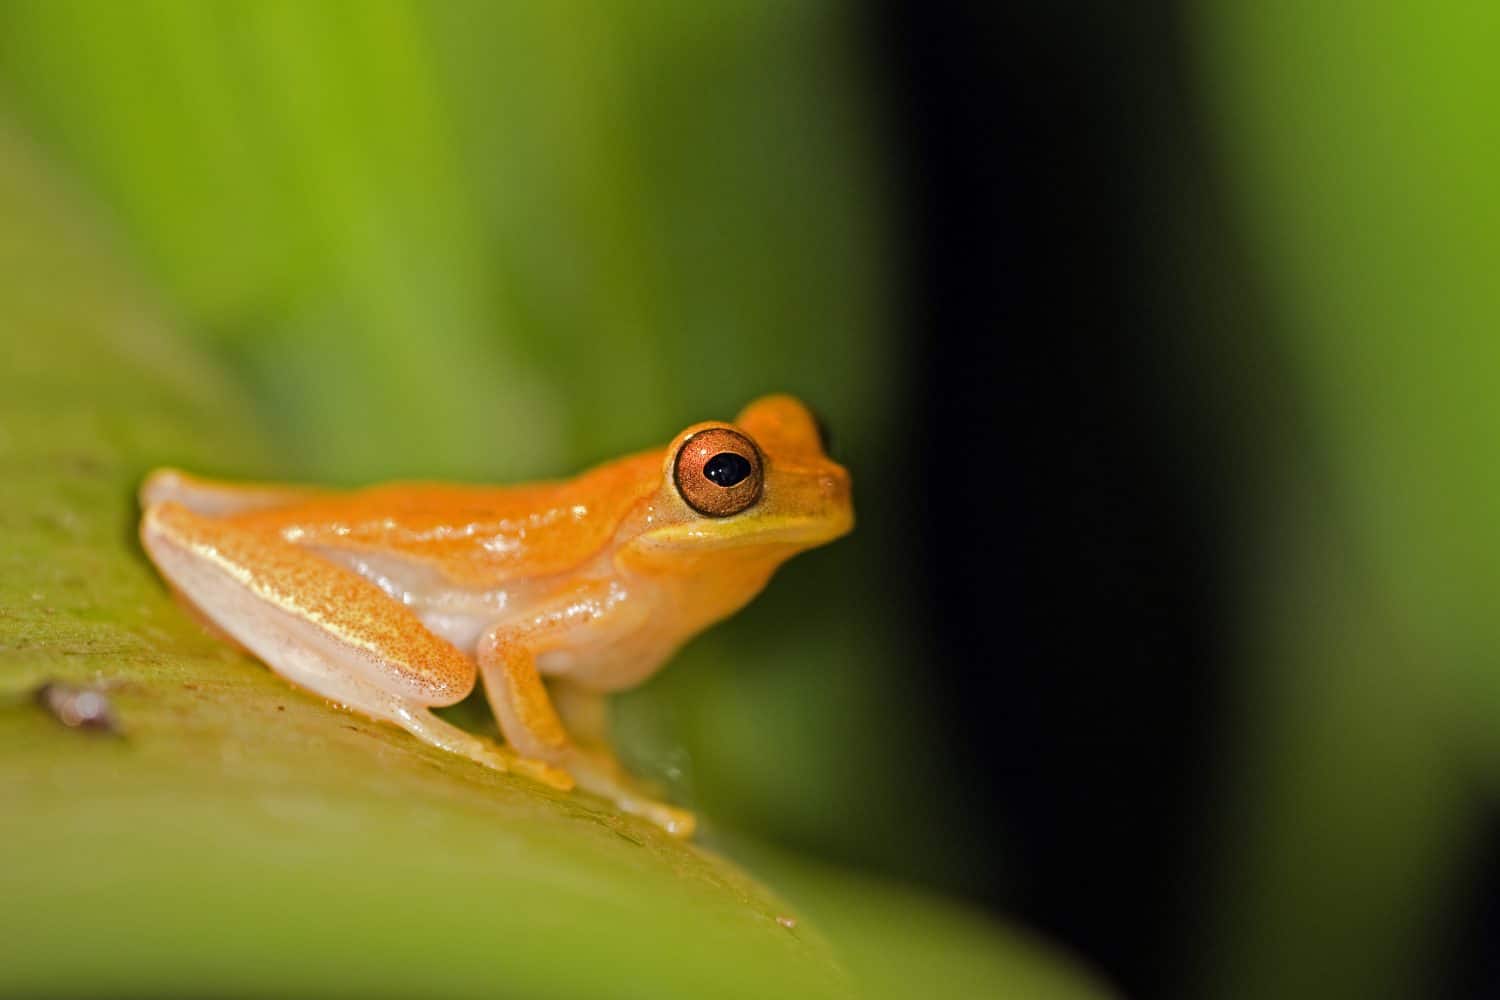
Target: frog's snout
[[834, 486], [835, 489]]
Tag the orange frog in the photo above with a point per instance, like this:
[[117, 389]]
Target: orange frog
[[389, 600]]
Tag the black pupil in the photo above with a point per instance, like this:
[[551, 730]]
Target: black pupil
[[726, 468]]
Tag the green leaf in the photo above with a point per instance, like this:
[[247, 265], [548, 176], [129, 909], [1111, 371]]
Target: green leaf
[[237, 835], [234, 835]]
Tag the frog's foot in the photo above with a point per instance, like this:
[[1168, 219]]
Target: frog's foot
[[537, 770], [445, 736], [602, 775], [352, 692]]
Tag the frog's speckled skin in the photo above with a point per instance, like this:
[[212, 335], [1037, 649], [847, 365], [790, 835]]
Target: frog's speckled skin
[[392, 599]]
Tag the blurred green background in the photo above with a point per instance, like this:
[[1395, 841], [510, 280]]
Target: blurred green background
[[494, 241], [498, 241]]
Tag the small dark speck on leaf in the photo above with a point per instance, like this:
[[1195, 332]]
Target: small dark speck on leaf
[[78, 707], [281, 708], [628, 838], [85, 465]]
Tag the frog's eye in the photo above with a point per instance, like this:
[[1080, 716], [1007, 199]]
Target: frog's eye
[[718, 472]]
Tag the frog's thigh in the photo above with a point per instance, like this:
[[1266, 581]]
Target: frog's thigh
[[218, 499], [321, 626]]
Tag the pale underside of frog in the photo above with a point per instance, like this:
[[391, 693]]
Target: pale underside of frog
[[394, 599]]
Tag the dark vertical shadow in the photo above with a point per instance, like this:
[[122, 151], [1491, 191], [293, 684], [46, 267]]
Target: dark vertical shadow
[[1465, 961], [1076, 553]]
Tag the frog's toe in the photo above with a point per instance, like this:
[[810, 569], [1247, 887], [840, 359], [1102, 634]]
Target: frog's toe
[[502, 758], [540, 771], [677, 822], [604, 777]]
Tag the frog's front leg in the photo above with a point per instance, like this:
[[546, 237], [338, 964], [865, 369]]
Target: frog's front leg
[[507, 661], [322, 627]]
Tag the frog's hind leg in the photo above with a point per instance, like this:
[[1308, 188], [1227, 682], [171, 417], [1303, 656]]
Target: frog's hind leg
[[219, 499], [322, 627], [585, 715]]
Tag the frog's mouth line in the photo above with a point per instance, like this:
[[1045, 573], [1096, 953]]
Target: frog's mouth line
[[800, 532], [808, 530]]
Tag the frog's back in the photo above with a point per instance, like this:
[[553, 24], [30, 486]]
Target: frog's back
[[478, 536]]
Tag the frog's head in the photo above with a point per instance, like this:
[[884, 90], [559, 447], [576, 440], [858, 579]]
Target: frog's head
[[760, 488]]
